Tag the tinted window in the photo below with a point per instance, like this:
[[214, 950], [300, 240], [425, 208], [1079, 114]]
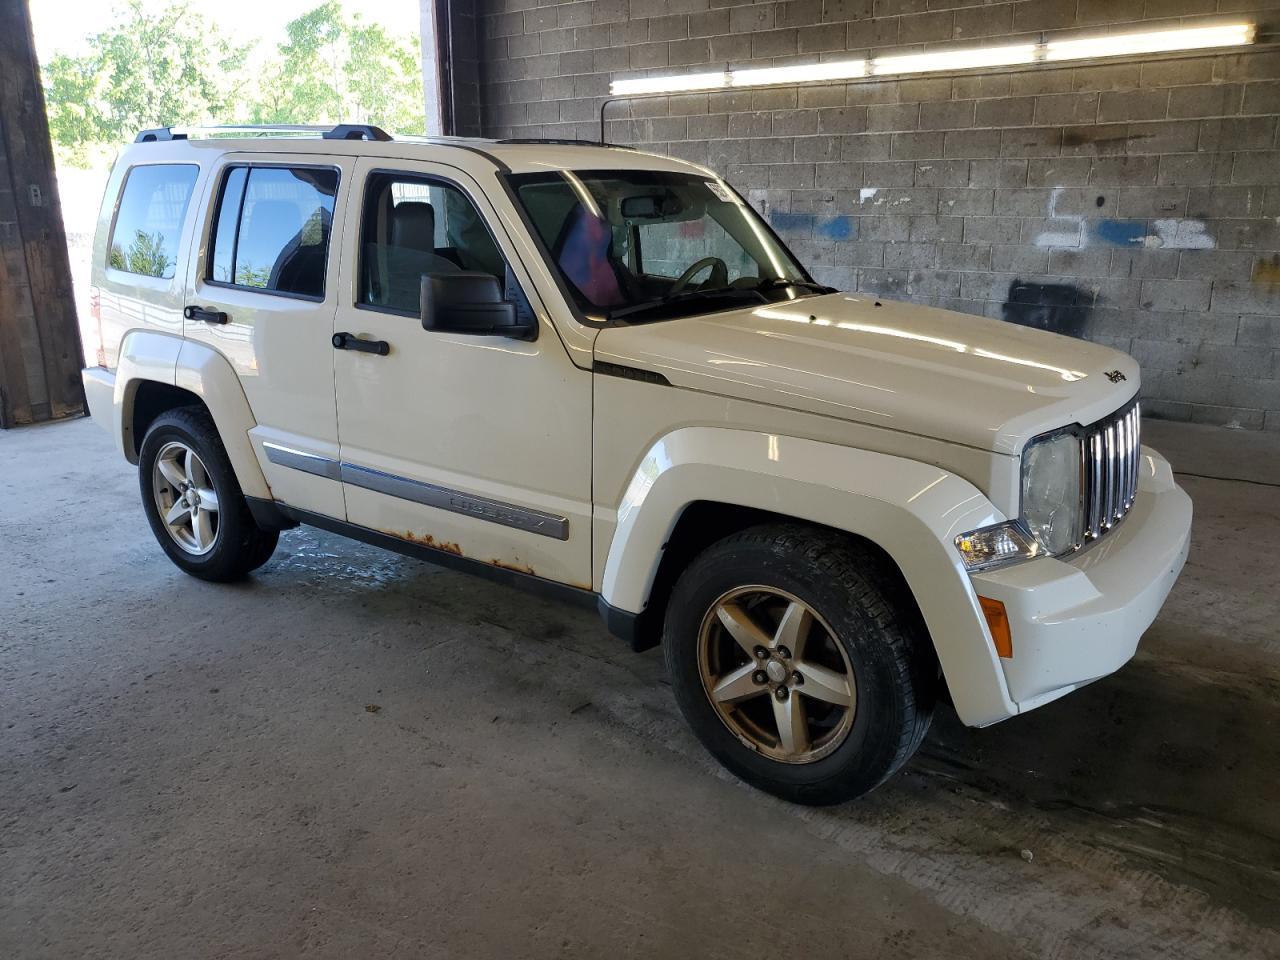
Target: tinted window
[[626, 238], [414, 226], [272, 230], [149, 219]]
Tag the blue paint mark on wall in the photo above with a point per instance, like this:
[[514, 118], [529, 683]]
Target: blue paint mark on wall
[[792, 223], [837, 228], [1119, 233]]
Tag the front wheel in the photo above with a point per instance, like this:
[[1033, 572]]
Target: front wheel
[[193, 501], [800, 662]]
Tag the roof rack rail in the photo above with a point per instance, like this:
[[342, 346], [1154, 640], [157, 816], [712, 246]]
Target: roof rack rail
[[342, 131], [566, 141]]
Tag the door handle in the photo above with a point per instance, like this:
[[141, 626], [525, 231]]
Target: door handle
[[349, 341], [207, 315]]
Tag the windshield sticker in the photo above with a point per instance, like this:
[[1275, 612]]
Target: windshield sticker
[[721, 194]]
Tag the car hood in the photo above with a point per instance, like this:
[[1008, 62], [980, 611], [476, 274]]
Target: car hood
[[952, 376]]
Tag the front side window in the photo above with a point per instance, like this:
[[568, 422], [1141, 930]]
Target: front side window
[[153, 204], [272, 229], [646, 244], [416, 226]]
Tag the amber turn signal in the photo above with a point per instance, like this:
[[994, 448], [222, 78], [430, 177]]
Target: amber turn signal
[[998, 623]]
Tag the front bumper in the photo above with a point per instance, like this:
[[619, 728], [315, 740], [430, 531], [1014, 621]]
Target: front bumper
[[1080, 618]]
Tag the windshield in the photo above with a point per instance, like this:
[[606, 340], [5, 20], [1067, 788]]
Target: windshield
[[645, 244]]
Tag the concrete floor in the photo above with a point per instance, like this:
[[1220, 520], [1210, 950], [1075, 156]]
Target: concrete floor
[[355, 754]]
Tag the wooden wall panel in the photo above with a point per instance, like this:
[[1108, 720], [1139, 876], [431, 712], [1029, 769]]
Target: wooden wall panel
[[40, 352]]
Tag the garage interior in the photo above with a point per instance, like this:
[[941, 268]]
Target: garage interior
[[356, 753]]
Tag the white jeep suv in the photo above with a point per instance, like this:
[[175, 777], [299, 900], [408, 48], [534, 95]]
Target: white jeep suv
[[598, 372]]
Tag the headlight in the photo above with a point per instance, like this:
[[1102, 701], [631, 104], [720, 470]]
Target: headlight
[[1051, 514], [1051, 504]]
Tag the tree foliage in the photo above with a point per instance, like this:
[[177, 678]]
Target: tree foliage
[[165, 64]]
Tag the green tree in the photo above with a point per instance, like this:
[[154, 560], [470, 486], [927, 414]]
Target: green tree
[[152, 69], [338, 69]]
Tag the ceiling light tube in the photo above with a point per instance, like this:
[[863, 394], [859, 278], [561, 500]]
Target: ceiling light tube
[[799, 73], [955, 59], [677, 84], [1155, 41]]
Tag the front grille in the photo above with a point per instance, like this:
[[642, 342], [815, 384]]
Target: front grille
[[1110, 467]]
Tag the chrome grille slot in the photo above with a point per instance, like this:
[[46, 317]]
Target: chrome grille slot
[[1111, 451]]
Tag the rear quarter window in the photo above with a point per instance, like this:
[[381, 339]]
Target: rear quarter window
[[148, 224]]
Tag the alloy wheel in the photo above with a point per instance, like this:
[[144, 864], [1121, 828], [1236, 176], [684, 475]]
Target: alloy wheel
[[185, 498], [776, 675]]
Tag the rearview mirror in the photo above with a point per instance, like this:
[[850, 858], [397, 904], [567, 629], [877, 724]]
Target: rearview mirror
[[472, 303]]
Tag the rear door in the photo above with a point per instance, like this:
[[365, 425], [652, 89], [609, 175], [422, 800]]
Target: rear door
[[264, 294], [477, 445]]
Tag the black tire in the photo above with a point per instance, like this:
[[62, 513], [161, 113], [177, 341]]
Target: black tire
[[239, 545], [869, 612]]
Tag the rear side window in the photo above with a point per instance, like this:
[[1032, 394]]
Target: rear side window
[[272, 229], [153, 204]]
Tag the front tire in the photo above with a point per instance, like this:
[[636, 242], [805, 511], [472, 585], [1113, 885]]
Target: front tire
[[193, 501], [801, 662]]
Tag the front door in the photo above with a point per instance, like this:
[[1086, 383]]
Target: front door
[[475, 445], [264, 296]]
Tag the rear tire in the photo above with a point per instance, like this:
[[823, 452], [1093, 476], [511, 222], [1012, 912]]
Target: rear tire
[[193, 501], [872, 676]]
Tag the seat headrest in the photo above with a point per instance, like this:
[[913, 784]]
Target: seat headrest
[[413, 225]]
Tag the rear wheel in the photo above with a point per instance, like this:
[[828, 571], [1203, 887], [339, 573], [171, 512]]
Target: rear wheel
[[193, 501], [800, 662]]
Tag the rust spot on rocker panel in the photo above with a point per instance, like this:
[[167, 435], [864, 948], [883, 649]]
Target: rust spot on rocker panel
[[517, 567], [426, 540]]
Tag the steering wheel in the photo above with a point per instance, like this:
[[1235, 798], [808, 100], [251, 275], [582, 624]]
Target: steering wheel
[[719, 274]]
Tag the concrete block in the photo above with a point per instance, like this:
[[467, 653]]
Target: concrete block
[[941, 173], [867, 146], [926, 27], [998, 173], [1065, 108], [695, 50], [1031, 142], [1139, 264], [910, 255], [891, 173], [971, 143], [1005, 112], [1133, 105], [1080, 262], [1058, 171], [1117, 171], [964, 256], [775, 43], [953, 115], [1214, 100], [1237, 133], [1175, 295], [934, 228], [965, 202], [1177, 136], [821, 149], [1216, 265], [914, 146], [669, 28], [1004, 230], [1015, 258], [1246, 297], [839, 175], [893, 116], [1154, 202], [1256, 166], [843, 120], [750, 19]]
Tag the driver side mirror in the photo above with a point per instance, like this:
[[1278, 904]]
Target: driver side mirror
[[472, 303]]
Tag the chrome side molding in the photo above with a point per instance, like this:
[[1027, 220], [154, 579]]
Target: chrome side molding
[[427, 494]]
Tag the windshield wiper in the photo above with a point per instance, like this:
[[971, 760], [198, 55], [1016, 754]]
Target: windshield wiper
[[736, 292], [776, 283]]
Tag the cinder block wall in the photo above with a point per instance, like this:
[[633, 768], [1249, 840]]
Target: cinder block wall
[[1132, 203]]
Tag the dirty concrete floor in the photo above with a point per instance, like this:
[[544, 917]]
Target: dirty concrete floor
[[356, 754]]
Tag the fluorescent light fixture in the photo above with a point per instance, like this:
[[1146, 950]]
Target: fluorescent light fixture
[[1155, 41], [677, 84], [800, 73], [955, 59], [975, 58]]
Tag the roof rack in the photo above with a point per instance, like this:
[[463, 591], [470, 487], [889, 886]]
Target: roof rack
[[566, 141], [342, 131]]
